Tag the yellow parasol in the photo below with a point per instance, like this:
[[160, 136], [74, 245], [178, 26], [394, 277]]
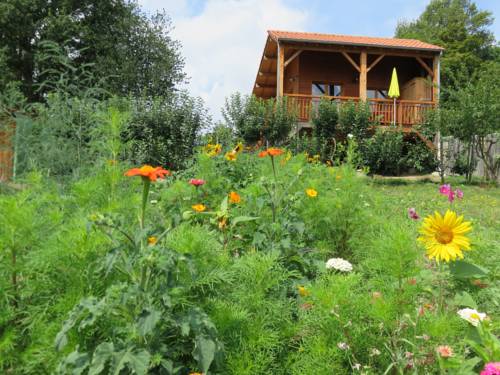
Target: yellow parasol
[[394, 91]]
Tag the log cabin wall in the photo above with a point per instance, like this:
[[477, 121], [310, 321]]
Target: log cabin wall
[[332, 67], [292, 77]]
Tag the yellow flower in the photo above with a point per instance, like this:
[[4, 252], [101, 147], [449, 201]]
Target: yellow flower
[[311, 192], [231, 156], [287, 157], [444, 237], [238, 148], [199, 207], [152, 240], [234, 197], [303, 292]]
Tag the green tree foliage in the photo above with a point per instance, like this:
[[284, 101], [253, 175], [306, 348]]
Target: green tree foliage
[[461, 28], [164, 130], [133, 52], [254, 119], [325, 120], [473, 113]]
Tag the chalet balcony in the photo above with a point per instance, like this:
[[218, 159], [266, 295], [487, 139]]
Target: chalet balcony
[[408, 112]]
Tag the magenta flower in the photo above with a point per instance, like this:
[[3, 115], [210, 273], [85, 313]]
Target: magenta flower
[[196, 182], [445, 189], [492, 368], [412, 214], [448, 191]]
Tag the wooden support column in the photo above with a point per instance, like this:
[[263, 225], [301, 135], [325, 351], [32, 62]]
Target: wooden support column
[[362, 76], [435, 79], [280, 71]]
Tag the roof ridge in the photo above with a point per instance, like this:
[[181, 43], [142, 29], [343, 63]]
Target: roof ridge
[[273, 32]]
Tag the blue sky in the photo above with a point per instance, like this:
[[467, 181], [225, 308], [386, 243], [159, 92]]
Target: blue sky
[[222, 40]]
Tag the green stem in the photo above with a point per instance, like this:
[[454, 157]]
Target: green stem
[[145, 194], [274, 169], [441, 287]]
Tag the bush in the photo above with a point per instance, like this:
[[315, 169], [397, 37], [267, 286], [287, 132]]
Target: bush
[[164, 130], [383, 152], [325, 120], [354, 118], [256, 119]]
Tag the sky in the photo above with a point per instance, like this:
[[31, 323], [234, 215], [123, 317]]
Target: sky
[[222, 40]]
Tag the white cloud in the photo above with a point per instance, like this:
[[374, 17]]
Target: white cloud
[[223, 43]]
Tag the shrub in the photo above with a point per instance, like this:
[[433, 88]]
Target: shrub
[[325, 119], [383, 152], [354, 118], [164, 130], [256, 119]]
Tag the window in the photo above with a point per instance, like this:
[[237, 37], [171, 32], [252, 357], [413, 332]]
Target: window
[[329, 89], [376, 94]]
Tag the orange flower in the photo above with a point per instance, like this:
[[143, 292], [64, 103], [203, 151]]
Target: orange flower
[[272, 152], [234, 197], [199, 207], [149, 172], [152, 240], [445, 351]]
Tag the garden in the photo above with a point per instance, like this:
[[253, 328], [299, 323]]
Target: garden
[[140, 236]]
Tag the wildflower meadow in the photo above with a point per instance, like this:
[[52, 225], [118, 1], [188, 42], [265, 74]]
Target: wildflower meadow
[[257, 263]]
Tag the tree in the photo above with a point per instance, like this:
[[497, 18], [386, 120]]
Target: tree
[[132, 52], [462, 29], [474, 115]]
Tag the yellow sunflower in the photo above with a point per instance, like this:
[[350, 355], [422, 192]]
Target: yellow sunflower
[[444, 236]]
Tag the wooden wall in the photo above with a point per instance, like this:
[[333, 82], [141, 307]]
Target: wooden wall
[[332, 67], [6, 149]]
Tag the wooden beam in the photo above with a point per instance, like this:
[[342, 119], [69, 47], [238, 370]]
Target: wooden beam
[[425, 66], [435, 79], [280, 73], [262, 86], [377, 60], [267, 74], [269, 57], [351, 61], [290, 59], [354, 49], [362, 76]]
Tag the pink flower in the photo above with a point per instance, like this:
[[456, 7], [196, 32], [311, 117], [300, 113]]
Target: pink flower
[[196, 182], [412, 214], [459, 193], [445, 189], [445, 351], [492, 368]]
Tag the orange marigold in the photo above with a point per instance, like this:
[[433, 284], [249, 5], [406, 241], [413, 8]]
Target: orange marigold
[[234, 197], [199, 207], [149, 172], [272, 152]]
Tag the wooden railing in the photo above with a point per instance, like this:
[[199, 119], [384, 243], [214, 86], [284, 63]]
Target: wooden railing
[[408, 112]]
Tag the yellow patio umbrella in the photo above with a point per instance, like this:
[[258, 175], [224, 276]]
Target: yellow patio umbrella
[[394, 91]]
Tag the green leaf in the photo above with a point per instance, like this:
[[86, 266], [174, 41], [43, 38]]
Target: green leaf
[[78, 362], [147, 321], [103, 353], [464, 299], [241, 219], [223, 205], [137, 361], [204, 352], [464, 270]]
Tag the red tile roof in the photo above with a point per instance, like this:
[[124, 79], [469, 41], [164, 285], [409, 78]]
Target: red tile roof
[[353, 40]]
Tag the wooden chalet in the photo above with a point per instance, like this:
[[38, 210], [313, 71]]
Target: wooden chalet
[[306, 67]]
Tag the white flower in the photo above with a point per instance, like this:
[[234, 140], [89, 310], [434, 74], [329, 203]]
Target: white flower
[[350, 136], [343, 346], [339, 264], [374, 352], [357, 366], [472, 316]]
